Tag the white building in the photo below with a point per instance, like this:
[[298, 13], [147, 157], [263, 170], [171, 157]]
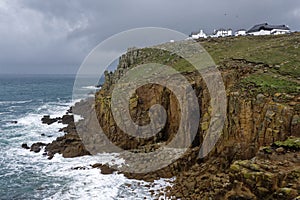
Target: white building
[[266, 29], [197, 35], [280, 31], [222, 33], [241, 32]]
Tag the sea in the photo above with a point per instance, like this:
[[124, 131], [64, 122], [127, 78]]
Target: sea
[[24, 100]]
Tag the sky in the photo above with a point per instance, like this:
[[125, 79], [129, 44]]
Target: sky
[[54, 36]]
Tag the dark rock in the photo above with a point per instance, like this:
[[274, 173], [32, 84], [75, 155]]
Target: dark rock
[[36, 147], [105, 169], [50, 155], [47, 120], [69, 145], [69, 111], [79, 168], [25, 146], [67, 119]]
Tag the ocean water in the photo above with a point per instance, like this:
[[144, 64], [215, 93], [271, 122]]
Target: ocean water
[[27, 175]]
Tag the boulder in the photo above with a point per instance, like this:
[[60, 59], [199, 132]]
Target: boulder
[[47, 120], [36, 147], [105, 169], [25, 146]]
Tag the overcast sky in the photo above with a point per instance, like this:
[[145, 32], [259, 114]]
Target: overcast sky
[[54, 36]]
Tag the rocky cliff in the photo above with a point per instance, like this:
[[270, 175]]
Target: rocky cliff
[[258, 115], [263, 107], [254, 119]]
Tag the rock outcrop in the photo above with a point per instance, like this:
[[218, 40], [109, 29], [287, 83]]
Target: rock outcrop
[[241, 166], [70, 145], [253, 121]]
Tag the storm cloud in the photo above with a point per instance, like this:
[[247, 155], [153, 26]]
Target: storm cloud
[[55, 36]]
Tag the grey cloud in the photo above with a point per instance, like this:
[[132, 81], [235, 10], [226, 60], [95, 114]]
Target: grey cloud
[[55, 36]]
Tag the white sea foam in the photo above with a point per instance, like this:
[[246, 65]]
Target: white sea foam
[[79, 184], [88, 183], [91, 184], [54, 109], [14, 102], [91, 88], [77, 118]]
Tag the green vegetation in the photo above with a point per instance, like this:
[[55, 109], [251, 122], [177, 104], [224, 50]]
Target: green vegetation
[[277, 59], [153, 55], [283, 51], [268, 83], [267, 150], [291, 143]]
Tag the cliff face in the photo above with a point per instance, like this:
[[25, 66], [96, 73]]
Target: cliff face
[[252, 121], [263, 106]]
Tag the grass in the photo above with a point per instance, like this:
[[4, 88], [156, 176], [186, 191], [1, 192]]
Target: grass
[[283, 50], [152, 55], [266, 83], [281, 53]]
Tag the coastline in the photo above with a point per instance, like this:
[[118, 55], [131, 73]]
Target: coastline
[[257, 156], [194, 178]]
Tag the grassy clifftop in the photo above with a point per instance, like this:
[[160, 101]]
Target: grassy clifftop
[[276, 60], [279, 57], [261, 76], [281, 51]]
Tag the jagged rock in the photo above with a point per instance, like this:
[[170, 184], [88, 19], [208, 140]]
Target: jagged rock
[[69, 145], [47, 120], [251, 123], [269, 177], [67, 119], [37, 147], [105, 169]]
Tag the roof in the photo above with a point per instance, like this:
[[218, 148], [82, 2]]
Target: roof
[[266, 26]]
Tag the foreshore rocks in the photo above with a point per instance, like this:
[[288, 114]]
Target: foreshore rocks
[[105, 169], [271, 174], [268, 175], [37, 147], [65, 119], [253, 121], [70, 145], [47, 120]]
